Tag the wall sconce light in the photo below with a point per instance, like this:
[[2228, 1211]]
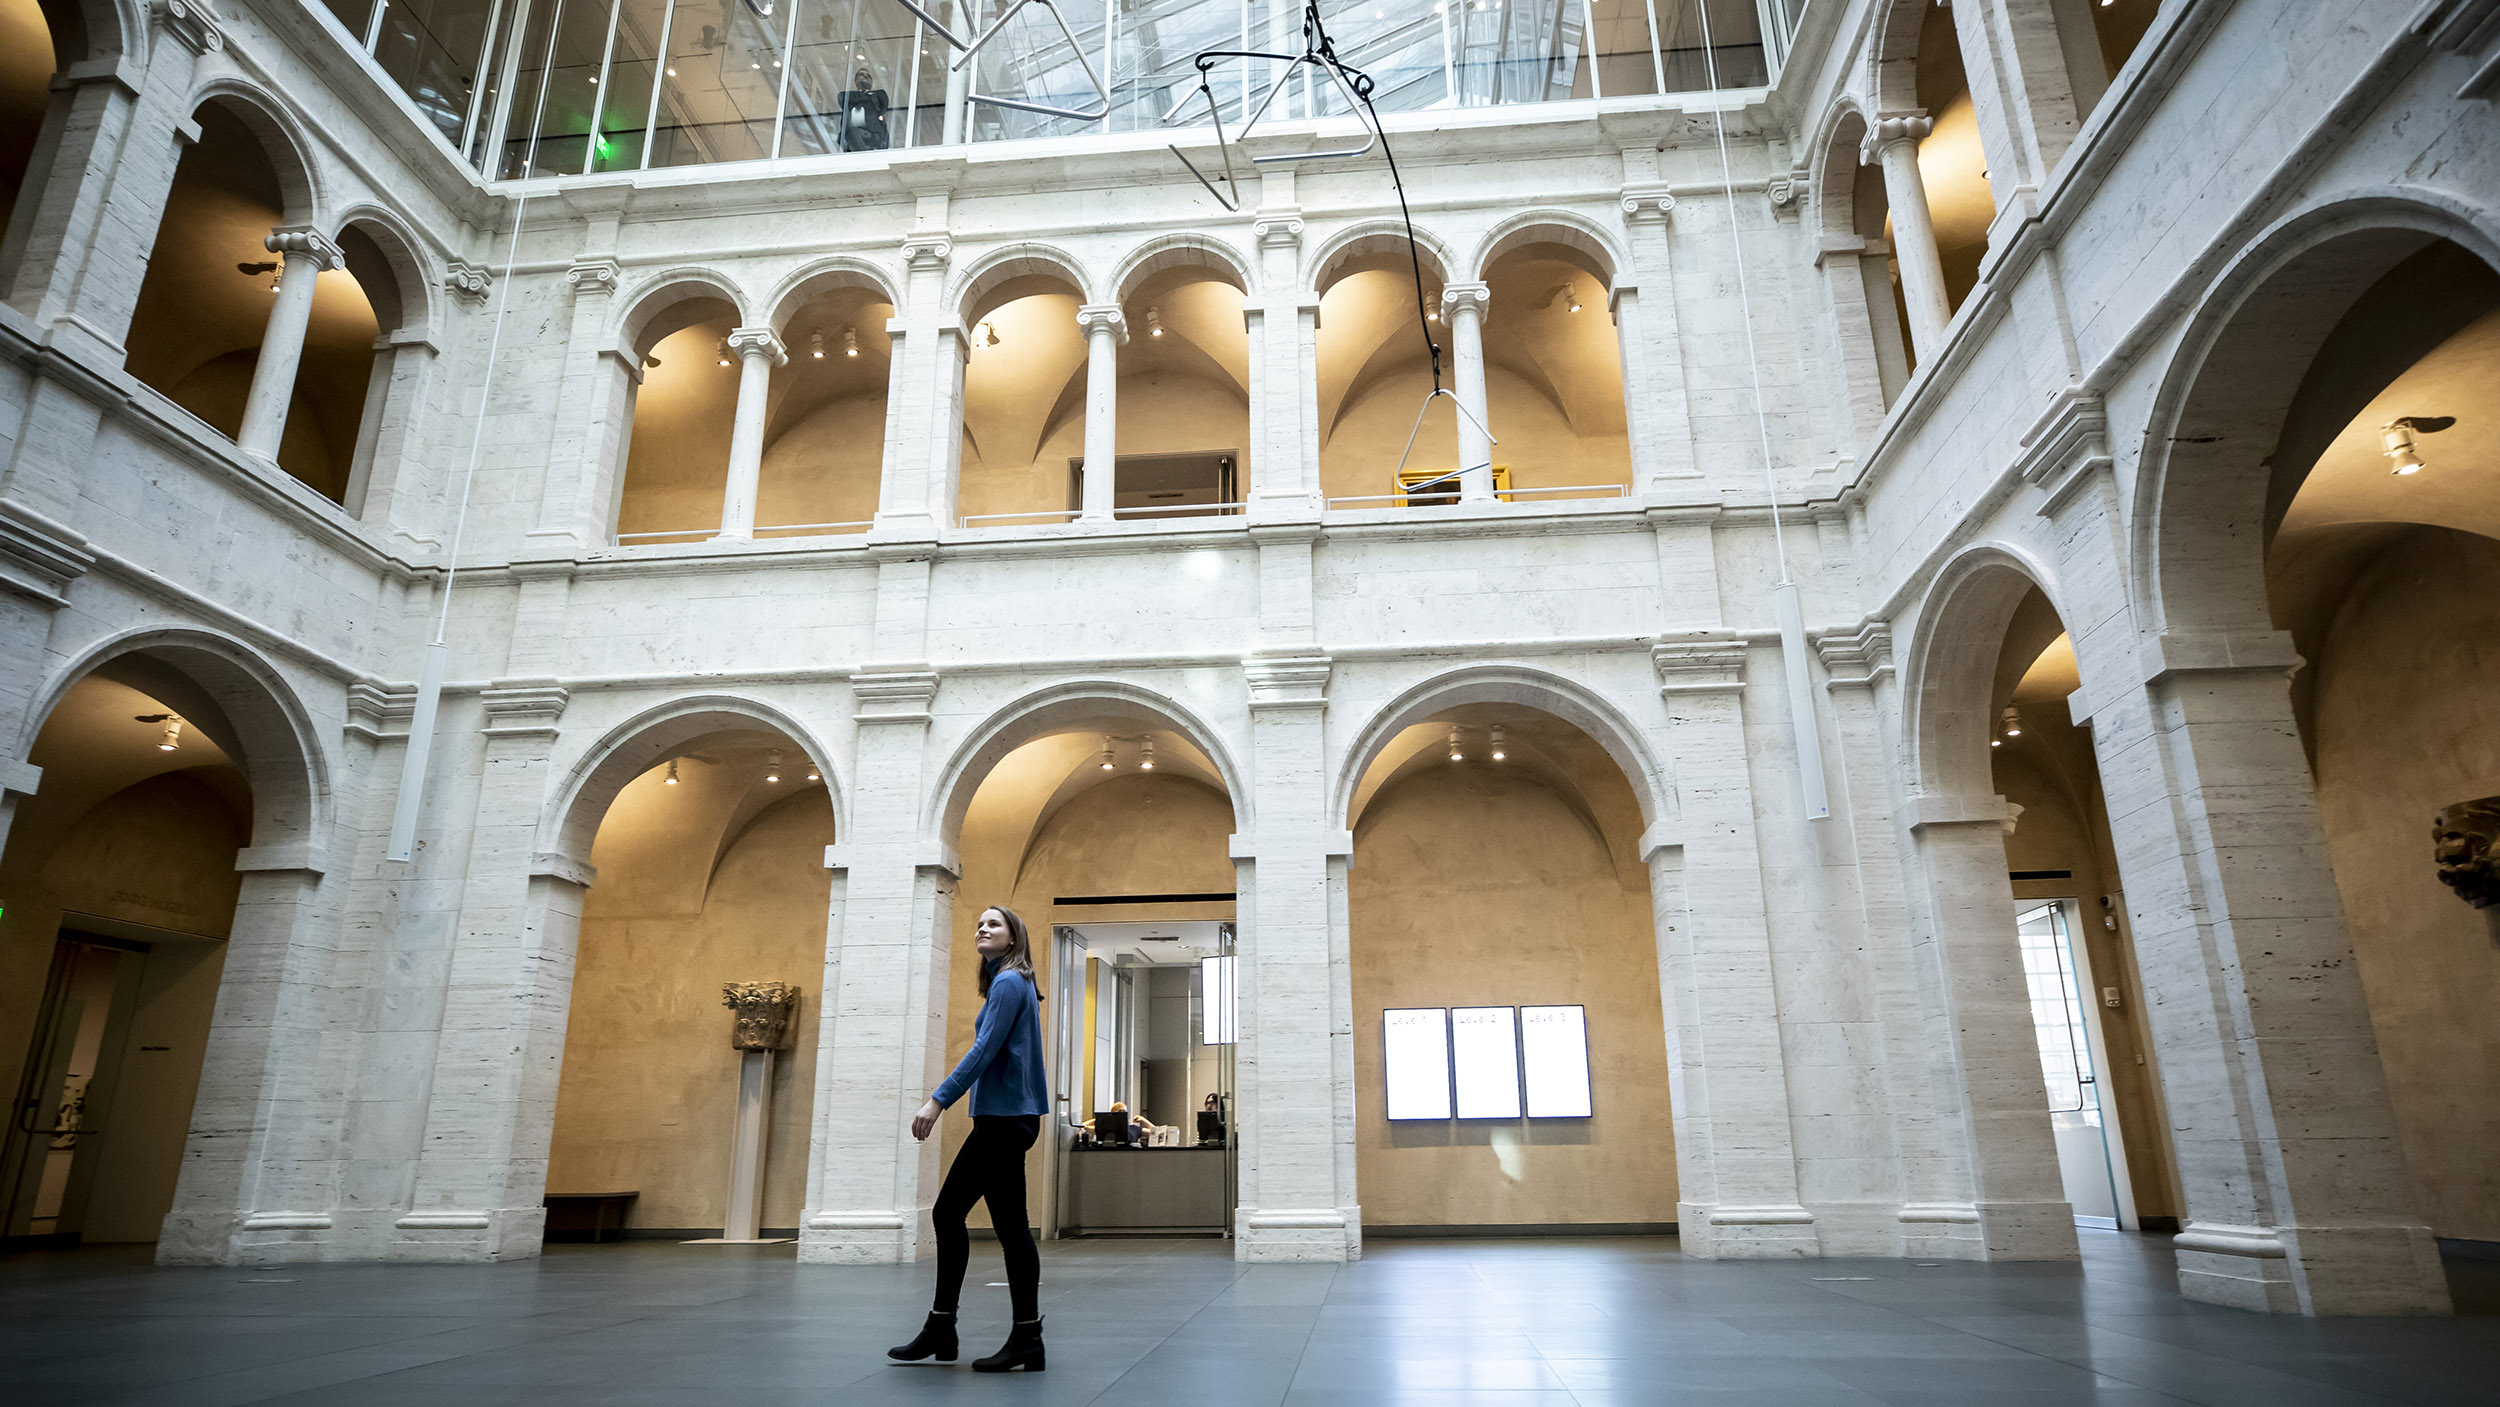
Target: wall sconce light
[[985, 335], [1455, 754], [672, 773], [2013, 722], [1106, 753], [816, 345], [720, 354], [172, 737], [1147, 762], [772, 765], [1154, 321], [1498, 753], [2396, 439], [850, 342]]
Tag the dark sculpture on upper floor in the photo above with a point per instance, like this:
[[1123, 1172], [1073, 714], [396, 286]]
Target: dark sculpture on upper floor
[[2466, 842]]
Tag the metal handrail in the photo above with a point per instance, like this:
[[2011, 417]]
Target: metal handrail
[[1503, 495], [863, 525]]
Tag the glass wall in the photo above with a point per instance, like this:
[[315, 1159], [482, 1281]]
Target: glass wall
[[624, 85]]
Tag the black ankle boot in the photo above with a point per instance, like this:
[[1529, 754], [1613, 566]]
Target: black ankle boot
[[936, 1340], [1023, 1349]]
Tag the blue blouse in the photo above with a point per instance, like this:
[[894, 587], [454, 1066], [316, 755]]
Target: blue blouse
[[1004, 1069]]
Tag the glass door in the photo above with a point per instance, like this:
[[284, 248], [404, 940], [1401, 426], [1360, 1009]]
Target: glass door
[[2089, 1157]]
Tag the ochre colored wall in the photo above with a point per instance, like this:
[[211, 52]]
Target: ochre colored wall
[[2406, 719], [1472, 885], [649, 1087]]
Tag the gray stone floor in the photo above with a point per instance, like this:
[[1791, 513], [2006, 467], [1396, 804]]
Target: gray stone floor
[[1518, 1323]]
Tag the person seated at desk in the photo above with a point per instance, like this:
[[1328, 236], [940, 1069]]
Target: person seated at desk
[[1111, 1126], [1211, 1124]]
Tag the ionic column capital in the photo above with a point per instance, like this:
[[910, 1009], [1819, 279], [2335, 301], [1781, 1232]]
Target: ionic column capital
[[758, 342], [1648, 201], [1474, 297], [928, 249], [192, 23], [465, 281], [1889, 131], [1279, 228], [305, 242], [1096, 317], [593, 276]]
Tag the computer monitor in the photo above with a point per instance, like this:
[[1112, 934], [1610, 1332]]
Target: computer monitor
[[1210, 1126], [1111, 1126]]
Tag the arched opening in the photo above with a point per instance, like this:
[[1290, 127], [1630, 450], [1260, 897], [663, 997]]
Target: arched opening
[[683, 413], [30, 53], [206, 305], [1863, 276], [2097, 37], [824, 436], [1496, 894], [1951, 165], [1374, 371], [1024, 399], [1184, 399], [1554, 368], [122, 888], [1106, 827], [2387, 576], [710, 872]]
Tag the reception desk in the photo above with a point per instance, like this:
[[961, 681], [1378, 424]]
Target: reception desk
[[1171, 1190]]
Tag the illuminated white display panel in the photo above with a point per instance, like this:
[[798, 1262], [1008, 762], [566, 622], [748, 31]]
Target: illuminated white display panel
[[1484, 1054], [1554, 1058], [1216, 998], [1418, 1041]]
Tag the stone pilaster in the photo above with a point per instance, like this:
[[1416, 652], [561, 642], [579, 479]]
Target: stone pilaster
[[591, 415], [1283, 323], [924, 398], [1656, 402]]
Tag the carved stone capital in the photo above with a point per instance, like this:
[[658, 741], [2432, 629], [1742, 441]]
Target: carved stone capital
[[765, 1011], [750, 342], [1648, 200], [1887, 131], [590, 276], [2465, 841], [465, 281], [39, 558], [192, 23], [375, 713], [928, 249], [1292, 681], [1787, 193], [1279, 228], [1100, 317], [305, 242], [1859, 658], [1474, 297], [524, 708], [1699, 662], [894, 696]]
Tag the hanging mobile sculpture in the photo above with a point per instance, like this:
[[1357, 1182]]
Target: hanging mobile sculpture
[[1319, 52], [975, 44]]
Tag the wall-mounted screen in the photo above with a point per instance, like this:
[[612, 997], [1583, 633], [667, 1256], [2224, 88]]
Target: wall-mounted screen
[[1554, 1057], [1418, 1042], [1484, 1055]]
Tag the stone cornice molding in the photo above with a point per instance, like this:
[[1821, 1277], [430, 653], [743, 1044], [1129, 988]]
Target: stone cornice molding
[[303, 241], [750, 342], [1279, 227], [465, 281], [2065, 446], [19, 778], [1455, 296], [1859, 658], [1648, 201], [523, 708], [296, 856], [551, 864], [1699, 662], [928, 249], [375, 713], [1297, 680], [193, 23], [1923, 809], [594, 276], [1899, 127], [1094, 317], [38, 557], [894, 695]]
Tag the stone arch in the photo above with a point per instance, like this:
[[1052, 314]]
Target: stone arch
[[1595, 250], [98, 29], [1524, 685], [243, 704], [1376, 237], [2198, 526], [410, 275], [671, 301], [1892, 55], [980, 287], [823, 275], [633, 747], [1011, 726], [1184, 250], [1837, 160], [283, 139], [1951, 661]]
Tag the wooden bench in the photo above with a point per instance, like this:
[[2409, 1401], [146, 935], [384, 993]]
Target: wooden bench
[[587, 1216]]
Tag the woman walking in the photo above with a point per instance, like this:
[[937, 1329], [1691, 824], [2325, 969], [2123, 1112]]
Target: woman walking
[[1004, 1072]]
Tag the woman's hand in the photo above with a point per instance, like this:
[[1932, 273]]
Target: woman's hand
[[925, 1122]]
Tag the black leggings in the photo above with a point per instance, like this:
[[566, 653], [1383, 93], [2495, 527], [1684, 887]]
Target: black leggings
[[990, 1167]]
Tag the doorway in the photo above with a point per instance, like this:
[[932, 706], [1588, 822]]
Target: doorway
[[1142, 1078], [2065, 1020]]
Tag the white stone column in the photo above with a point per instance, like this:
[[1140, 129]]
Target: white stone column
[[1462, 312], [1894, 142], [924, 398], [759, 351], [305, 254], [1106, 330]]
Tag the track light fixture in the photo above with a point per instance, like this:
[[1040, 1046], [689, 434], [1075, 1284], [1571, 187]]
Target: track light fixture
[[172, 737], [2396, 439], [812, 774], [1455, 754], [1146, 763], [720, 354], [772, 765], [1154, 321], [816, 345], [850, 342], [672, 772], [1498, 753], [2013, 722], [1107, 763]]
